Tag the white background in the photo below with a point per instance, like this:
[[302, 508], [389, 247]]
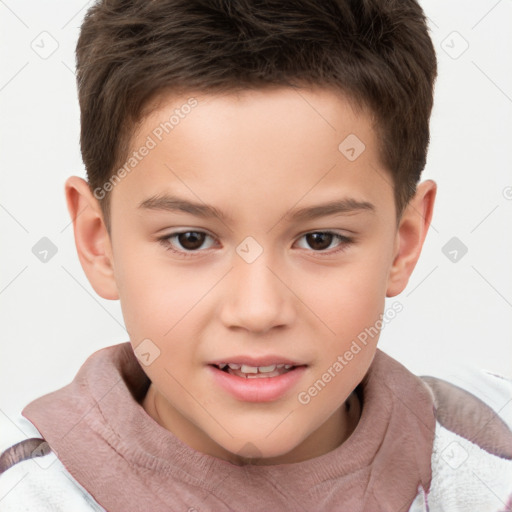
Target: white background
[[454, 312]]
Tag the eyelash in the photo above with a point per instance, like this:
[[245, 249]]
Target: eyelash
[[344, 242]]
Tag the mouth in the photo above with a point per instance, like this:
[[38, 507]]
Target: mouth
[[255, 372], [248, 383]]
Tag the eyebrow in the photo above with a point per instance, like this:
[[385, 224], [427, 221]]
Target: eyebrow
[[175, 204]]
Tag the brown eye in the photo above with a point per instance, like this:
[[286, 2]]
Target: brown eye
[[191, 240], [324, 242], [319, 241], [187, 244]]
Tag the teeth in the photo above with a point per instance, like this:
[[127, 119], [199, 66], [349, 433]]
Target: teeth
[[275, 373], [249, 369], [272, 370]]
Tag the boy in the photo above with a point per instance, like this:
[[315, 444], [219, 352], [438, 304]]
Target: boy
[[226, 142]]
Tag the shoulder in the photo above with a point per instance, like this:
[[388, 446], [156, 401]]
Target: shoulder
[[32, 476], [472, 452], [477, 405]]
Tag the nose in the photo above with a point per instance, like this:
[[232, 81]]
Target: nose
[[257, 298]]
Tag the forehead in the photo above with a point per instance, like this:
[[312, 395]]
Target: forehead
[[296, 113], [278, 145]]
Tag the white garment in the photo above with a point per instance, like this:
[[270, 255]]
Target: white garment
[[39, 484], [466, 478]]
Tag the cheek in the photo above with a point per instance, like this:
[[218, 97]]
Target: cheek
[[158, 305], [350, 305], [154, 294], [349, 299]]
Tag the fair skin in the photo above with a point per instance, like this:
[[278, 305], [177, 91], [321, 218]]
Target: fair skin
[[258, 158]]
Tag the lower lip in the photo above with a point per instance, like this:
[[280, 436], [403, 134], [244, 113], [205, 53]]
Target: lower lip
[[259, 389]]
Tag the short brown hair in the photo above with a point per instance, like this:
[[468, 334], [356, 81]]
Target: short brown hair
[[377, 52]]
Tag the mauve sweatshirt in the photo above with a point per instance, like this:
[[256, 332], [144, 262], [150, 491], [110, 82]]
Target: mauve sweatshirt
[[127, 461]]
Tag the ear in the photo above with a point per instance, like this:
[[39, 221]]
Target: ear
[[411, 233], [91, 237]]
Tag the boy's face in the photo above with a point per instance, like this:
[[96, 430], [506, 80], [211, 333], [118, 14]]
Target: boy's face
[[274, 273]]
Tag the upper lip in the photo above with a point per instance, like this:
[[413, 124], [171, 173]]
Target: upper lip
[[256, 361]]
